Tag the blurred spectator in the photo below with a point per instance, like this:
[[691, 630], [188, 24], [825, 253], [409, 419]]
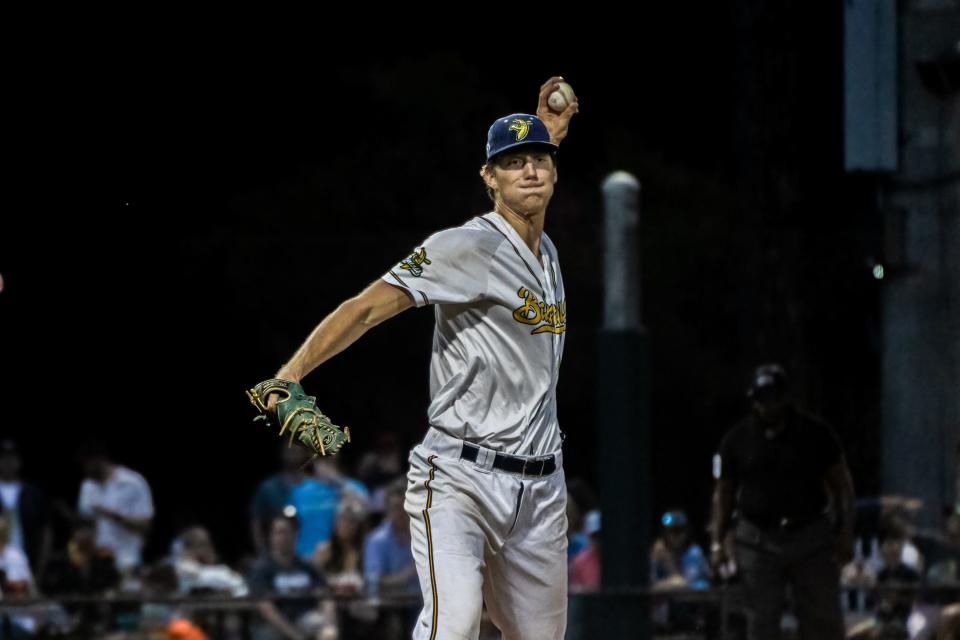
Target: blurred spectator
[[381, 466], [942, 552], [26, 506], [580, 501], [159, 579], [585, 566], [858, 577], [876, 518], [15, 575], [894, 607], [388, 566], [949, 628], [871, 515], [675, 560], [182, 629], [341, 558], [317, 498], [120, 501], [84, 569], [16, 580], [273, 494], [777, 468], [198, 570], [577, 540], [281, 572]]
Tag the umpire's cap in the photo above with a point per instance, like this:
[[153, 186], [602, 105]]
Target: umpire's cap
[[768, 381], [517, 130]]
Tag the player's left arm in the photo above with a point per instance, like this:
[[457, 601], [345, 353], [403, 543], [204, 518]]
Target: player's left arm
[[557, 123], [839, 483]]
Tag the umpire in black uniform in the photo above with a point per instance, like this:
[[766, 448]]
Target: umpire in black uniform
[[783, 475]]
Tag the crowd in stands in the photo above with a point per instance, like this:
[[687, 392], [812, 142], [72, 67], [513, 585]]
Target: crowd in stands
[[335, 547]]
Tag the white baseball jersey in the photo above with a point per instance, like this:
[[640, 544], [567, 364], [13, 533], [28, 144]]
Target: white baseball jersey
[[501, 318]]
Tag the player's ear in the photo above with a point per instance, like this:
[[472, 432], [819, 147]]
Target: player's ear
[[555, 175], [486, 172]]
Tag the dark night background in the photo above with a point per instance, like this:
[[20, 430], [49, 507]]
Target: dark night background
[[187, 222]]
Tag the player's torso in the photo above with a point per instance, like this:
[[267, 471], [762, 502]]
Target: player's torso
[[496, 361]]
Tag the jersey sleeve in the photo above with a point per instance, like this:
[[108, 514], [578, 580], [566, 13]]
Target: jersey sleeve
[[450, 267]]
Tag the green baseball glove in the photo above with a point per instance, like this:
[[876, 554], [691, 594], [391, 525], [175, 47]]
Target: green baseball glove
[[297, 413]]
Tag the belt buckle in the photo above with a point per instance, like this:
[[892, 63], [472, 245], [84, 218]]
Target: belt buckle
[[543, 464]]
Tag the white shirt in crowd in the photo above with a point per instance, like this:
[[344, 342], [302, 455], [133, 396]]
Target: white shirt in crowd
[[10, 496], [127, 493], [13, 562]]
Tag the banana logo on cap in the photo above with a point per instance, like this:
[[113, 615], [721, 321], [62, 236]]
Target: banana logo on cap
[[522, 127]]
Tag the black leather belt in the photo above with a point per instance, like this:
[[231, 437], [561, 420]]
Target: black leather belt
[[536, 467]]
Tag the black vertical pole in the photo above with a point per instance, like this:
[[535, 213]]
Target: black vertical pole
[[624, 426]]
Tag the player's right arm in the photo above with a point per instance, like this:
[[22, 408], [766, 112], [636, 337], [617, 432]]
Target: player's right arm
[[556, 123], [341, 328]]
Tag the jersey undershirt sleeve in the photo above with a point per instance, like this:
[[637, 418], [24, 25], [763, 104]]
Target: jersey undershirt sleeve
[[449, 267]]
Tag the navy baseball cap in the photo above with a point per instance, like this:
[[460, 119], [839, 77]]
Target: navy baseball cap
[[516, 130]]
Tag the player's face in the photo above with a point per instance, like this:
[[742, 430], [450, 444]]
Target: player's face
[[96, 469], [675, 537], [523, 179], [346, 526], [891, 550], [953, 527], [85, 539], [769, 404], [283, 538]]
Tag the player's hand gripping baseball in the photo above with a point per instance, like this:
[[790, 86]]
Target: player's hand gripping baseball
[[557, 123]]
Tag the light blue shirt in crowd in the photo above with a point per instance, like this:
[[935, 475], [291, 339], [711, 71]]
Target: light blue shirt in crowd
[[385, 553]]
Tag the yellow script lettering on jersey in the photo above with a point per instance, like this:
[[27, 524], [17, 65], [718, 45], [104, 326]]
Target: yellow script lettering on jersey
[[534, 312]]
